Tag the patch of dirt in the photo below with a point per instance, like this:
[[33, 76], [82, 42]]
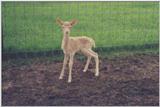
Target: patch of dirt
[[131, 80]]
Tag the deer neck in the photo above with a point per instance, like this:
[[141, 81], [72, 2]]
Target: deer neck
[[65, 40]]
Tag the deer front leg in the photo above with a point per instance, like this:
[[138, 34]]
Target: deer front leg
[[70, 67], [64, 66]]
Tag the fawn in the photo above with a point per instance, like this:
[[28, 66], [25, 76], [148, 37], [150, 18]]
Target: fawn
[[71, 45]]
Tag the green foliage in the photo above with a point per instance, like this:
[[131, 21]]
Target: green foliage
[[31, 26]]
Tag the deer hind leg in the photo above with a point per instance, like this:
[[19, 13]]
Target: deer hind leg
[[70, 68], [91, 53], [66, 57], [87, 63]]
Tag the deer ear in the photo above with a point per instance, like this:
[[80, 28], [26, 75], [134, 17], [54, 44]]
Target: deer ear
[[59, 21], [73, 22]]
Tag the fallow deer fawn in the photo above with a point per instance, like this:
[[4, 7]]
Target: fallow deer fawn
[[71, 45]]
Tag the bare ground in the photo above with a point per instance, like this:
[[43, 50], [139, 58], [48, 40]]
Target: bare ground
[[130, 80]]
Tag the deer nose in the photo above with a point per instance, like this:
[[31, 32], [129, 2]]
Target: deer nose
[[67, 32]]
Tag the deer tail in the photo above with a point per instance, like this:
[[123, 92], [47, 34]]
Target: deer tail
[[93, 43]]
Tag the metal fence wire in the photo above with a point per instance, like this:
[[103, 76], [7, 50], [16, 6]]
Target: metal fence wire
[[29, 29]]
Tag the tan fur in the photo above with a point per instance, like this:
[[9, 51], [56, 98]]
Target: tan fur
[[76, 44], [71, 45]]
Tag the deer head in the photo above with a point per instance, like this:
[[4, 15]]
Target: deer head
[[66, 25]]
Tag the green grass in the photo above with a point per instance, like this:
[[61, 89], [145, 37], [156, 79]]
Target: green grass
[[31, 26]]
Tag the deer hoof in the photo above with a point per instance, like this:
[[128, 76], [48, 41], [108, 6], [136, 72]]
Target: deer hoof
[[84, 70], [97, 74], [69, 81], [60, 78]]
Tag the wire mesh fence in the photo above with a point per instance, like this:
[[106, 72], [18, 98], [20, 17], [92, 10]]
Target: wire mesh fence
[[29, 29]]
